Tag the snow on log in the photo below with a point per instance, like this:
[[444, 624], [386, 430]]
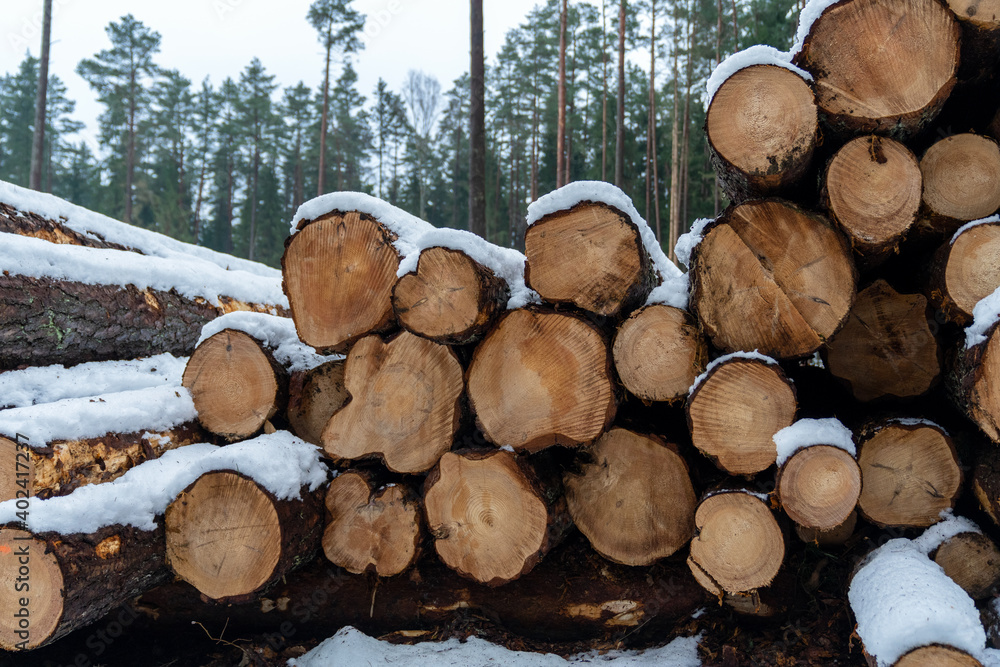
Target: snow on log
[[53, 448], [974, 382], [769, 276], [910, 613], [966, 555], [104, 544], [961, 176], [44, 216], [966, 270], [884, 68], [70, 304]]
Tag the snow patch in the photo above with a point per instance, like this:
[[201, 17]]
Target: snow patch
[[671, 292], [808, 432], [279, 462], [809, 14], [352, 647], [755, 355], [758, 54], [975, 223], [277, 333], [150, 409], [902, 600], [188, 276], [46, 384], [916, 421], [949, 526], [984, 316], [99, 227], [687, 241]]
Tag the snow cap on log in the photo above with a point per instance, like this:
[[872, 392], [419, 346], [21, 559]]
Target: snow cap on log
[[754, 355], [48, 384], [280, 462], [984, 316], [93, 226], [758, 54], [941, 532], [687, 241], [975, 223], [276, 333], [808, 432], [903, 601], [188, 276]]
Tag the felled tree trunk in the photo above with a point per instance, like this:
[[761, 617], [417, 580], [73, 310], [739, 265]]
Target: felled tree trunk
[[966, 270], [450, 298], [27, 223], [961, 181], [819, 486], [313, 397], [232, 539], [972, 561], [768, 276], [70, 581], [761, 128], [974, 382]]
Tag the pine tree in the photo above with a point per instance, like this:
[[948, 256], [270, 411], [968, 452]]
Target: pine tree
[[17, 108], [171, 128], [205, 111], [258, 125], [298, 113]]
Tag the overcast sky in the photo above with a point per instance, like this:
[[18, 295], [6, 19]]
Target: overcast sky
[[218, 38]]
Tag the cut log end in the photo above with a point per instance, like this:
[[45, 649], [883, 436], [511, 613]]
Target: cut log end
[[314, 397], [972, 561], [937, 656], [762, 127], [746, 397], [910, 473], [17, 470], [370, 530], [338, 273], [738, 546], [235, 383], [633, 499], [819, 487], [978, 386], [968, 271], [835, 536], [450, 298], [41, 606], [590, 256], [488, 521], [961, 176], [658, 353]]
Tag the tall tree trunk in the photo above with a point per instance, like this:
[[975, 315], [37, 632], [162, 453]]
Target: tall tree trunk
[[326, 110], [561, 123], [196, 221], [674, 223], [604, 98], [253, 203], [38, 140], [620, 125], [534, 140], [736, 30], [477, 124], [227, 239], [456, 176], [686, 139], [652, 120], [568, 129], [130, 157]]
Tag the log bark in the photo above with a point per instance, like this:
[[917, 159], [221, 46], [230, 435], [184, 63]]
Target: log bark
[[819, 486], [986, 482], [236, 384], [658, 352], [768, 276], [405, 403], [338, 273], [591, 257], [450, 298], [761, 129], [833, 537], [632, 498], [974, 382], [734, 412], [74, 579], [556, 389], [232, 539], [491, 518], [872, 191], [44, 322], [887, 347], [313, 397], [738, 546], [910, 472], [972, 561], [61, 466], [27, 223], [573, 594], [961, 181], [966, 270], [882, 68]]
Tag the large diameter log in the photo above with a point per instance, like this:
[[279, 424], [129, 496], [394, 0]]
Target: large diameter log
[[590, 256], [910, 472], [338, 272], [633, 498], [370, 528], [313, 397], [572, 595], [658, 352], [974, 382], [961, 180], [541, 378], [884, 68], [761, 128], [738, 546], [734, 412], [819, 487], [54, 583], [872, 190], [966, 270], [490, 519], [405, 404], [231, 538], [450, 298], [236, 384], [887, 346], [768, 276]]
